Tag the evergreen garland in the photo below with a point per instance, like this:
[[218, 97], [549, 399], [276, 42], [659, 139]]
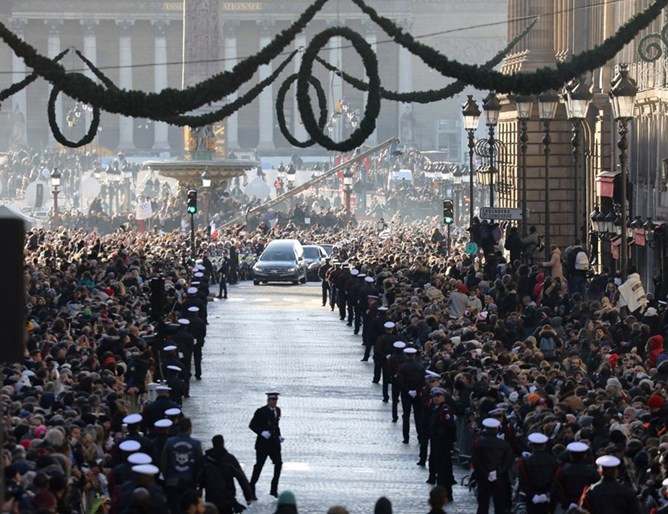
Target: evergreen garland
[[55, 129], [29, 79], [370, 63], [520, 83], [432, 95], [280, 114]]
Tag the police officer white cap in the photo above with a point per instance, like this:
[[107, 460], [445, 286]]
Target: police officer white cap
[[577, 447], [139, 458], [608, 461], [132, 419], [399, 345], [389, 324], [146, 469], [129, 445], [491, 423], [537, 438]]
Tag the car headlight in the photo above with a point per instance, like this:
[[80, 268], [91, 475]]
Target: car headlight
[[257, 268], [290, 270]]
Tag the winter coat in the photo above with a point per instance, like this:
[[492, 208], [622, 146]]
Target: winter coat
[[554, 264]]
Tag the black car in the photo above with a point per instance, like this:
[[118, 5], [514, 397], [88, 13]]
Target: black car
[[315, 256], [282, 261]]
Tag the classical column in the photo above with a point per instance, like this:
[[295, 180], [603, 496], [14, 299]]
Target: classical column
[[405, 70], [266, 97], [370, 34], [230, 37], [19, 132], [90, 51], [335, 59], [125, 124], [53, 48], [298, 129], [160, 128]]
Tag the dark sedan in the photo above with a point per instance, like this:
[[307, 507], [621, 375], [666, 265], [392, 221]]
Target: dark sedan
[[314, 256]]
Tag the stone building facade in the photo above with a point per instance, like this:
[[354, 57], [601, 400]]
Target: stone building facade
[[566, 28]]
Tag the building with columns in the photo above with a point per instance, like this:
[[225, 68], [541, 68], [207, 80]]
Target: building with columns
[[566, 28], [139, 44]]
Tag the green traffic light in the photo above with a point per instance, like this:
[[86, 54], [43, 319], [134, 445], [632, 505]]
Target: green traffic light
[[448, 221], [192, 209]]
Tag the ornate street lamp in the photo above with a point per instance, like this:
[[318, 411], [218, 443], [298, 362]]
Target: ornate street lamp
[[578, 99], [55, 189], [471, 115], [348, 187], [492, 108], [622, 98], [524, 106], [127, 179], [547, 108], [291, 172]]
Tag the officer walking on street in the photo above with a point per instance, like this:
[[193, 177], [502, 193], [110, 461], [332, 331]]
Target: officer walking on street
[[322, 274], [609, 495], [265, 424]]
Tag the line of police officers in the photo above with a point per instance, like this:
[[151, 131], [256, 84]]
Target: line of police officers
[[548, 484]]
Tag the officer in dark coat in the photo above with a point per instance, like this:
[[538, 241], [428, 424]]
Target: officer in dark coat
[[341, 291], [322, 275], [160, 434], [221, 469], [156, 409], [351, 294], [223, 275], [123, 472], [198, 329], [176, 385], [265, 424], [536, 473], [332, 278], [360, 302], [394, 362], [432, 380], [609, 495], [368, 318], [492, 459], [442, 434], [571, 478], [185, 342], [143, 476], [411, 380], [384, 347]]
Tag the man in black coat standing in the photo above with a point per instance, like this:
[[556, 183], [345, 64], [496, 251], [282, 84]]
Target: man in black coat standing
[[224, 275], [268, 443], [197, 328]]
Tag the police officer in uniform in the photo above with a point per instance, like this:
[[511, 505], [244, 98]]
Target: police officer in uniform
[[609, 495], [384, 347], [192, 299], [394, 362], [571, 478], [177, 387], [492, 459], [536, 473], [223, 275], [442, 435], [197, 328], [411, 380], [432, 380], [185, 342], [322, 275], [133, 423], [351, 294], [265, 424], [341, 288], [332, 278]]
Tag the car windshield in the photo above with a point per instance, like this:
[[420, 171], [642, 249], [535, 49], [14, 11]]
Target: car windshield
[[277, 255], [311, 253]]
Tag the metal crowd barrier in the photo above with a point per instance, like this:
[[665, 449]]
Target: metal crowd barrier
[[464, 446]]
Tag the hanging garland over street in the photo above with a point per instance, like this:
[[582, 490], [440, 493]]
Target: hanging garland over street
[[432, 95], [372, 109], [520, 83], [55, 129], [171, 105], [280, 113]]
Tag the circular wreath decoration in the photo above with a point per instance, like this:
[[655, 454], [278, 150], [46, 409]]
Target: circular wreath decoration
[[280, 114], [370, 63], [55, 129]]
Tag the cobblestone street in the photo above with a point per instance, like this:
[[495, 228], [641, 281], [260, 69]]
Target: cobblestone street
[[340, 445]]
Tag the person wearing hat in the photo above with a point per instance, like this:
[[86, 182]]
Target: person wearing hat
[[394, 362], [221, 469], [384, 347], [322, 275], [123, 471], [492, 459], [185, 342], [572, 477], [432, 380], [411, 380], [342, 291], [286, 504], [536, 473], [332, 278], [193, 300], [352, 292], [609, 495], [177, 387], [155, 410], [181, 462], [197, 328], [134, 423], [265, 424], [369, 317], [143, 478], [159, 436], [441, 432]]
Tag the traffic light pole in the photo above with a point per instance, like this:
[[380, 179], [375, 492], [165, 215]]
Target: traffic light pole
[[192, 235], [449, 240]]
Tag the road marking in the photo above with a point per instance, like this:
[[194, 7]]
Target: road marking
[[236, 299], [289, 299], [296, 466], [262, 300]]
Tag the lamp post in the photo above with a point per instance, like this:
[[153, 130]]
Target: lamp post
[[281, 175], [348, 187], [206, 185], [456, 183], [127, 179], [547, 108], [471, 115], [622, 97], [524, 105], [55, 189], [492, 108], [291, 173], [578, 99]]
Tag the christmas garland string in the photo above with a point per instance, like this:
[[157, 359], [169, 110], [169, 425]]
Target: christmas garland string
[[280, 113], [520, 83], [432, 95], [372, 109]]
